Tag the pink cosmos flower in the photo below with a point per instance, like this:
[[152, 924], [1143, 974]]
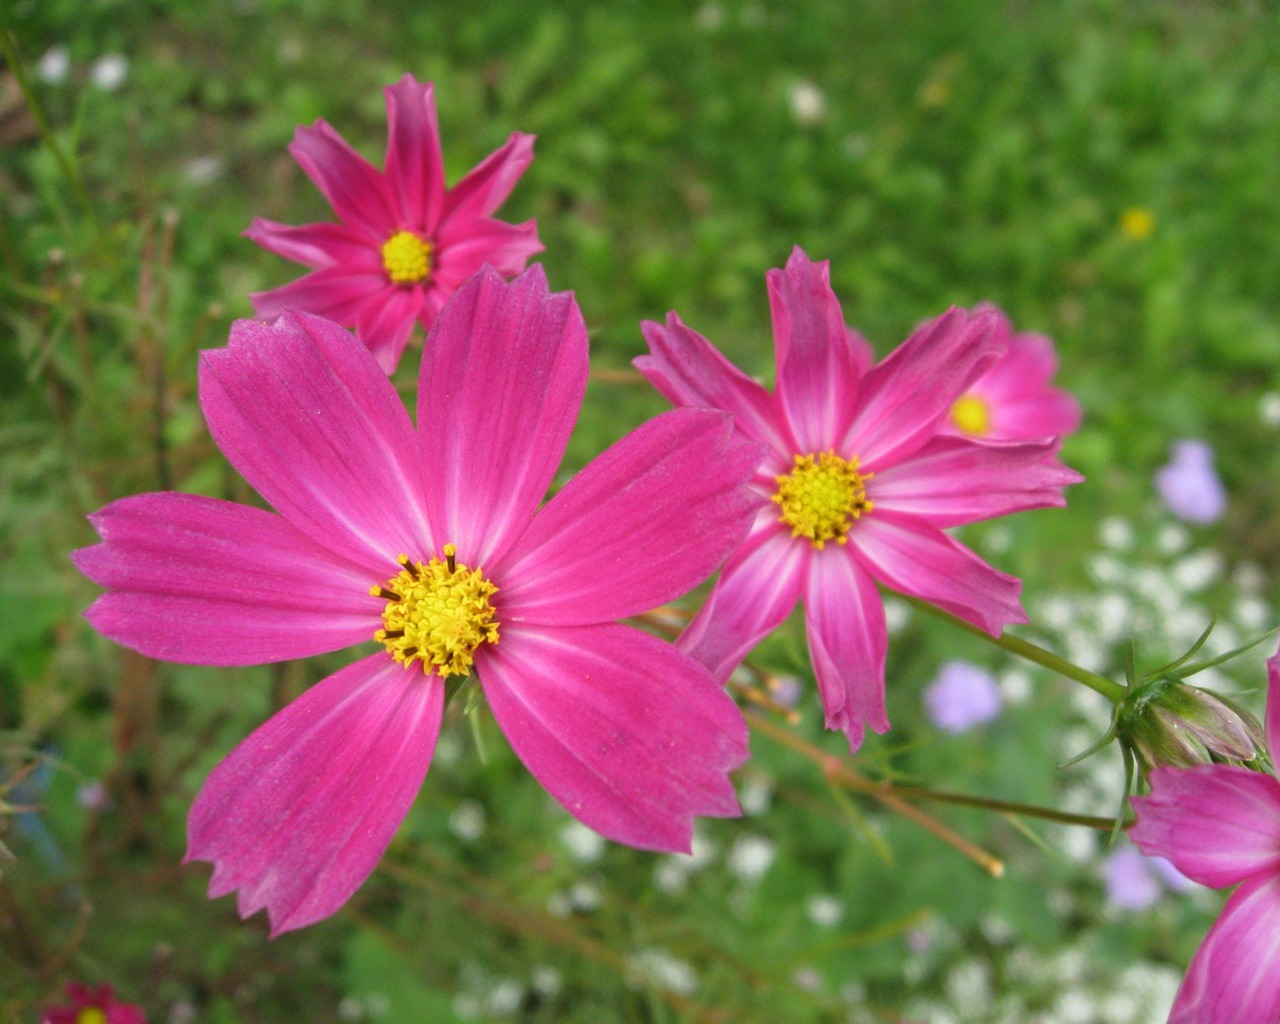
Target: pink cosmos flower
[[404, 243], [93, 1006], [431, 543], [1013, 400], [1220, 825], [857, 487]]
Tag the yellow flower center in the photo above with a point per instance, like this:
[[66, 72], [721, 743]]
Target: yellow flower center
[[91, 1015], [1138, 223], [971, 415], [406, 258], [822, 496], [437, 613]]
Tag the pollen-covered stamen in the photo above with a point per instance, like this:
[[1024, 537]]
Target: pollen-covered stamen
[[406, 258], [971, 415], [437, 613], [822, 497]]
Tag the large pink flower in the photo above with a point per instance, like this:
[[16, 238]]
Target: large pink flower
[[432, 543], [1220, 825], [404, 243], [93, 1006], [857, 487], [1013, 400]]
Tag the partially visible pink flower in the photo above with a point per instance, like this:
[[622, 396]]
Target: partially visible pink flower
[[1189, 484], [857, 488], [93, 1006], [1013, 400], [431, 542], [404, 243], [1220, 825]]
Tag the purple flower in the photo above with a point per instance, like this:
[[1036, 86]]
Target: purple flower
[[1189, 484], [1220, 826], [961, 697], [1135, 881]]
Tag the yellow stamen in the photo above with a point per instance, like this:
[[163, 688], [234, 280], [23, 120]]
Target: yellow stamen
[[822, 496], [406, 258], [437, 613], [971, 415], [91, 1015]]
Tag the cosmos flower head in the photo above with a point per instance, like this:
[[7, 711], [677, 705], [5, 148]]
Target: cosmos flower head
[[858, 487], [430, 542], [403, 242], [1014, 400], [1220, 826], [961, 697], [1189, 485], [93, 1006]]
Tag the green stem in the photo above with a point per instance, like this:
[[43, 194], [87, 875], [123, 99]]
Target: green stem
[[1005, 807], [1113, 691]]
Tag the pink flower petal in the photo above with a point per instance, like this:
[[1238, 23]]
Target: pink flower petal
[[644, 522], [466, 246], [817, 370], [386, 321], [489, 183], [415, 169], [904, 399], [952, 481], [316, 245], [848, 641], [1273, 706], [1219, 824], [756, 591], [300, 813], [631, 736], [502, 380], [209, 582], [301, 409], [1235, 975], [356, 190], [919, 559], [336, 293], [1021, 402], [688, 371]]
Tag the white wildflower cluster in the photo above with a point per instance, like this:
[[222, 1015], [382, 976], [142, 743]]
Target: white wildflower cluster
[[660, 968], [484, 994]]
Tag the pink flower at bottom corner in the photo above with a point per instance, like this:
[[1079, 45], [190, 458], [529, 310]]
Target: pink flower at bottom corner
[[1220, 826], [632, 736], [93, 1006], [403, 242], [858, 487]]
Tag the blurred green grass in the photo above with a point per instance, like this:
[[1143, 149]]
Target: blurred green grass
[[962, 152]]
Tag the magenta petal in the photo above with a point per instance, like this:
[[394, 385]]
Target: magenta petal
[[301, 409], [817, 370], [469, 245], [209, 582], [1219, 824], [300, 813], [315, 245], [356, 190], [415, 169], [631, 736], [332, 292], [952, 481], [848, 641], [756, 591], [503, 376], [387, 320], [906, 396], [1234, 977], [919, 559], [489, 183], [644, 522], [689, 371]]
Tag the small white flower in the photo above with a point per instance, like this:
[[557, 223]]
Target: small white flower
[[751, 857], [108, 73], [1116, 533], [54, 65], [808, 102], [1269, 409], [824, 910], [584, 846], [467, 821]]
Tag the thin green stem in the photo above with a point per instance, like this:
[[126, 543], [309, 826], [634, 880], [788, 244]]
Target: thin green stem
[[1004, 807], [1113, 691], [10, 51]]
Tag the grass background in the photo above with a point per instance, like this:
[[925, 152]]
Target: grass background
[[963, 152]]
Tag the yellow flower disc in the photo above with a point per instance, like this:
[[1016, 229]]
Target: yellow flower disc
[[822, 496]]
